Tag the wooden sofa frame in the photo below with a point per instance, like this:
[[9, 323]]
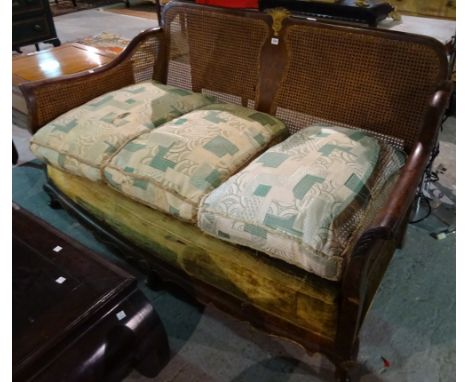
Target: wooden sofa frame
[[365, 77]]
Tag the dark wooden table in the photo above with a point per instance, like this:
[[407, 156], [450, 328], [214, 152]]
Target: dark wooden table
[[77, 317]]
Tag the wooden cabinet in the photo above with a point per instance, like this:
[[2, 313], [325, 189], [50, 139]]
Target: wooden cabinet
[[32, 23], [438, 8]]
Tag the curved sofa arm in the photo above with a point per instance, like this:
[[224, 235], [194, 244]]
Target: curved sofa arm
[[142, 59], [366, 264], [388, 221]]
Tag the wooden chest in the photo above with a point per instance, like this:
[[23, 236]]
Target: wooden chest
[[32, 23]]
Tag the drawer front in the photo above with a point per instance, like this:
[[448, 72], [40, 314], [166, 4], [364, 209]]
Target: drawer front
[[33, 30], [23, 6]]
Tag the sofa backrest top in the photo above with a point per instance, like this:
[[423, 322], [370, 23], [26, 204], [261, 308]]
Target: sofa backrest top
[[307, 71]]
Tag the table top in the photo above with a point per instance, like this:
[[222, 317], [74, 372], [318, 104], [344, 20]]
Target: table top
[[63, 60], [58, 287]]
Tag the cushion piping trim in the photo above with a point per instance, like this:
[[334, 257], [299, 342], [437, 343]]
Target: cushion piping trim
[[150, 180], [271, 231], [84, 161], [195, 205], [337, 260]]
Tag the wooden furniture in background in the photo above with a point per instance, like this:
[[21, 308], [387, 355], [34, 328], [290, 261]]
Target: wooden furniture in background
[[369, 12], [32, 23], [434, 8], [76, 316], [64, 60]]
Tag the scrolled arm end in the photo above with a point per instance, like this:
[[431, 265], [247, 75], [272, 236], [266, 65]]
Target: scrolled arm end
[[49, 98], [388, 221]]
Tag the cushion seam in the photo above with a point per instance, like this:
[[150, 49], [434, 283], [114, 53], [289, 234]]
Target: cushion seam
[[107, 161], [153, 182], [60, 151], [94, 166], [190, 221], [281, 233], [196, 205]]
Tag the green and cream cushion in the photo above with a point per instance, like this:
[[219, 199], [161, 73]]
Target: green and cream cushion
[[83, 139], [303, 199], [171, 168]]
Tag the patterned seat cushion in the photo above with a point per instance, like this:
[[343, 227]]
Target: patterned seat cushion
[[171, 168], [304, 199], [81, 140]]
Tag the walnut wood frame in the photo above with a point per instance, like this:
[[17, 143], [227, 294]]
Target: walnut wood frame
[[364, 267]]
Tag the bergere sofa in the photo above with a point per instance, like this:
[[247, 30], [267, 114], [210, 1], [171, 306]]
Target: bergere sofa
[[265, 163]]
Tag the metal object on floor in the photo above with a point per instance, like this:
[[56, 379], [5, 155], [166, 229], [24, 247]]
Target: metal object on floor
[[443, 234]]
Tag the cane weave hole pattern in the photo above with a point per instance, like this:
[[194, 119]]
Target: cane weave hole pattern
[[223, 50], [144, 59], [223, 97], [56, 99], [296, 121], [375, 83]]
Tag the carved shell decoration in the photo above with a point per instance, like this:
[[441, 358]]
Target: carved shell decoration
[[278, 15]]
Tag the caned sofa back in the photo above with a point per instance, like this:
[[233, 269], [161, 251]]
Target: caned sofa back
[[303, 71]]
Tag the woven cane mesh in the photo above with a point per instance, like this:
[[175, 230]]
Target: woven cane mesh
[[357, 218], [372, 81], [223, 96], [57, 98], [295, 121], [216, 52], [179, 72], [145, 57]]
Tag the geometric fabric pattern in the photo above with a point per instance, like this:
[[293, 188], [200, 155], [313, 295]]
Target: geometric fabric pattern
[[293, 201], [171, 168], [83, 139]]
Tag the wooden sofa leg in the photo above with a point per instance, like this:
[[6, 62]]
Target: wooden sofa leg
[[154, 282]]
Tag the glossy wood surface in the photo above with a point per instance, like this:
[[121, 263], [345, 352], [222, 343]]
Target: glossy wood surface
[[62, 292], [56, 62]]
